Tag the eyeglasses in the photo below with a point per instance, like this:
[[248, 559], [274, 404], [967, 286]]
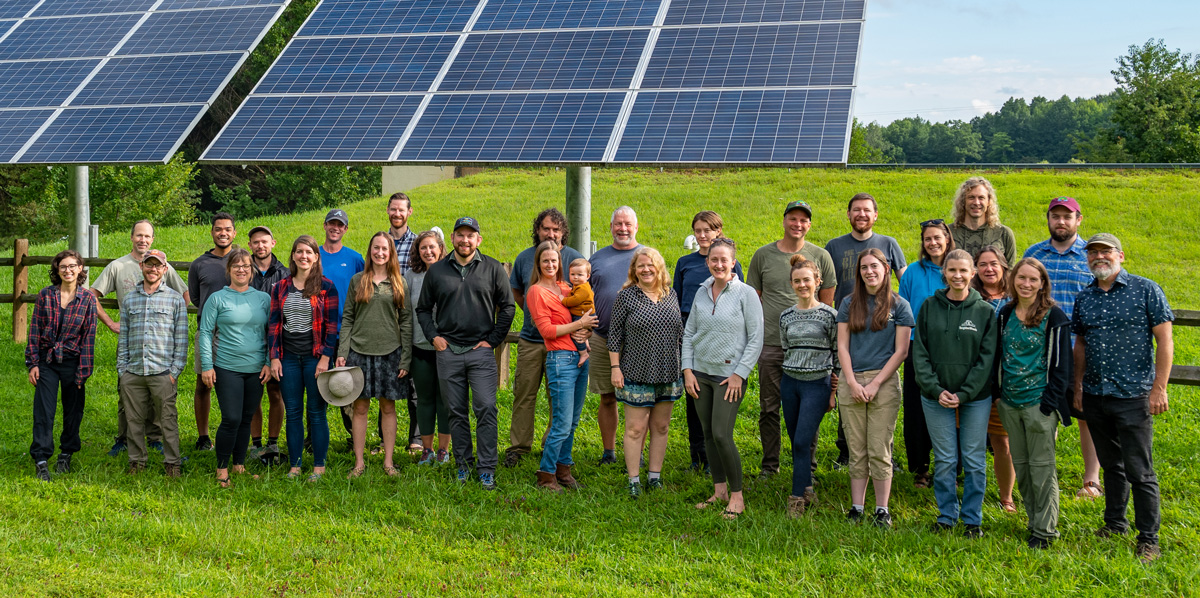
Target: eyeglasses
[[68, 267], [241, 267], [154, 266], [934, 222]]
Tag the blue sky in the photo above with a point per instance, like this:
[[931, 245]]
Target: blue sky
[[956, 59]]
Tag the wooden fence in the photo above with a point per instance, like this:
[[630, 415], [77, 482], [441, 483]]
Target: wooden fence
[[21, 298]]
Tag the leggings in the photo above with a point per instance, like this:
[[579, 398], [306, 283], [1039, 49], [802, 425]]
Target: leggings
[[804, 405], [238, 395], [431, 404], [717, 417]]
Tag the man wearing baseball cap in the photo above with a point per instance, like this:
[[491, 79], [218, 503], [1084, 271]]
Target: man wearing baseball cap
[[1065, 257], [268, 270], [466, 308], [151, 352], [770, 273], [339, 264], [1123, 354]]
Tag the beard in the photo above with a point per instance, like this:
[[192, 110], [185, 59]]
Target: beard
[[1102, 271], [1061, 238]]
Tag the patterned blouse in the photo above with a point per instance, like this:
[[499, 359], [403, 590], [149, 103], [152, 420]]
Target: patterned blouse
[[648, 335]]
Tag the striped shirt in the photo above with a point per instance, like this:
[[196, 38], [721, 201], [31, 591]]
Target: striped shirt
[[297, 313], [154, 332], [1068, 271]]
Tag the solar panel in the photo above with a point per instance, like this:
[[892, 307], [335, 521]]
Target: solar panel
[[88, 81], [560, 81]]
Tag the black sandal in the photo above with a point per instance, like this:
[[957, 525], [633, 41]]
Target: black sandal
[[224, 482]]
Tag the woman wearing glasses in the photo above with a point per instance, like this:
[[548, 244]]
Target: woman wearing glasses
[[59, 354], [237, 314], [920, 280]]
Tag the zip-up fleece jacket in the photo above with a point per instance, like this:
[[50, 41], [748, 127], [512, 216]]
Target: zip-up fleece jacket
[[1059, 362], [955, 346], [724, 337]]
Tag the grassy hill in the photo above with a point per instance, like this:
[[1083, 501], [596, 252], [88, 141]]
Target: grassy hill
[[96, 532]]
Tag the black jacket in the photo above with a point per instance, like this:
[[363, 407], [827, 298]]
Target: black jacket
[[1059, 362], [477, 306], [275, 273]]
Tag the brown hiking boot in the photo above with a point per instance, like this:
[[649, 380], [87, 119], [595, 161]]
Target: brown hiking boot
[[1148, 553], [173, 471], [795, 506], [135, 468], [546, 480], [563, 475], [810, 498]]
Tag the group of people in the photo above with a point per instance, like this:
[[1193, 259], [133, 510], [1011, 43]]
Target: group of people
[[977, 348]]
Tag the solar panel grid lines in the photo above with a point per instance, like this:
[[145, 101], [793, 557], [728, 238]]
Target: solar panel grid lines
[[575, 81], [117, 80]]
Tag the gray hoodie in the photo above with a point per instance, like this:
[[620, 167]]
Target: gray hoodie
[[724, 337]]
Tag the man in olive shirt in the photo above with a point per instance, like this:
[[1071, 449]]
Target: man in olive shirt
[[770, 273], [977, 220]]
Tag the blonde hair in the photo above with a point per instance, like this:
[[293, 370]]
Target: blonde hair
[[580, 262], [991, 216], [662, 281]]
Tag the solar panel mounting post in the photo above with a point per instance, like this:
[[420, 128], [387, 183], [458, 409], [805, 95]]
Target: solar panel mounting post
[[77, 186], [579, 208]]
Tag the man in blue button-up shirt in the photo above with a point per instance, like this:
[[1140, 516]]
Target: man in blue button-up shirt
[[1065, 258], [1123, 352]]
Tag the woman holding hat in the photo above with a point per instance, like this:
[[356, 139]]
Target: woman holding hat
[[378, 320], [62, 336], [238, 368], [567, 378], [427, 250], [302, 337]]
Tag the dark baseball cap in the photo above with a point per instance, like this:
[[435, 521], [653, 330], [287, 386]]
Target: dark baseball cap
[[1066, 202], [468, 222], [154, 254], [1105, 240], [264, 229], [339, 215], [798, 205]]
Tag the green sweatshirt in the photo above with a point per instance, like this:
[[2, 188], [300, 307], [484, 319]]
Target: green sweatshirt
[[954, 346], [377, 327]]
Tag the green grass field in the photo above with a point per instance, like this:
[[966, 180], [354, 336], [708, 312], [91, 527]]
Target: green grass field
[[96, 532]]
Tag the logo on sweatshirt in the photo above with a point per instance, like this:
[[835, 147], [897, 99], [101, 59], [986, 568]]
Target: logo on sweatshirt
[[968, 325]]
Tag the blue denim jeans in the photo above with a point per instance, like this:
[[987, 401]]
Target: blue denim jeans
[[969, 437], [804, 405], [568, 383], [299, 379]]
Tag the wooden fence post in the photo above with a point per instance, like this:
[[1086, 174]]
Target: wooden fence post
[[20, 311]]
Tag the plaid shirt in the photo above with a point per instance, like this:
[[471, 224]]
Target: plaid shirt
[[50, 339], [404, 249], [324, 319], [1068, 271], [154, 332]]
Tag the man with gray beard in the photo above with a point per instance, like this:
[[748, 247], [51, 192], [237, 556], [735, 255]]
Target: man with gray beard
[[1123, 354]]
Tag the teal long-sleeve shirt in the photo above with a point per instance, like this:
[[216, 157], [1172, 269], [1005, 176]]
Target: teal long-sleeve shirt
[[240, 322]]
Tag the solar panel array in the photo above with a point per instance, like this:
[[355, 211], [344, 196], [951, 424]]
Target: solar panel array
[[116, 81], [557, 81]]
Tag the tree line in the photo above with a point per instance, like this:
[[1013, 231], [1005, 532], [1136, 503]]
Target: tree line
[[1153, 116]]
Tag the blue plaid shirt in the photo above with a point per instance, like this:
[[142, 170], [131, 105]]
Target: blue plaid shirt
[[154, 332], [1116, 325], [1068, 271], [404, 249]]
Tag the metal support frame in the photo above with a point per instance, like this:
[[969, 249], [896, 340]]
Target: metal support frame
[[579, 208], [77, 187]]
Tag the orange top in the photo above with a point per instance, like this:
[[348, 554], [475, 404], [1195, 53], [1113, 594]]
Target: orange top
[[548, 312]]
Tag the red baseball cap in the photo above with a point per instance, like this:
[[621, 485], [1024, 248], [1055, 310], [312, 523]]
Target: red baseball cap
[[1066, 202]]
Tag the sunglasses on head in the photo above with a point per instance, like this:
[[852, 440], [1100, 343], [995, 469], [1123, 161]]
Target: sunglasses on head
[[934, 222]]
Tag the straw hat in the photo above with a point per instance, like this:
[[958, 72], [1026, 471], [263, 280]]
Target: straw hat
[[340, 386]]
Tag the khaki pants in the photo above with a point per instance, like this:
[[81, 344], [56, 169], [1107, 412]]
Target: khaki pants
[[1031, 442], [531, 370], [145, 397], [870, 426], [600, 367], [770, 377]]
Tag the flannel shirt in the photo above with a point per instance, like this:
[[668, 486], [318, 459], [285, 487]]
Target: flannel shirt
[[154, 332], [76, 335], [325, 319], [404, 249]]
